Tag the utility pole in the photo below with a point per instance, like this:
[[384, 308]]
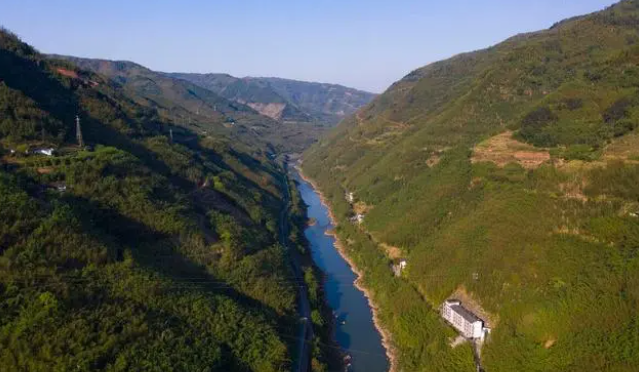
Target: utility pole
[[78, 132]]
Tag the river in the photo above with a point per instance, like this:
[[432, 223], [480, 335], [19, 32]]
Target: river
[[354, 329]]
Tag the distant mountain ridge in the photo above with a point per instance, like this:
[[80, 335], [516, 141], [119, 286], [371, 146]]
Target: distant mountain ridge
[[160, 89], [289, 115], [285, 99], [199, 109]]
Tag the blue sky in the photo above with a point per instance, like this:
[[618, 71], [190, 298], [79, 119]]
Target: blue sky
[[367, 44]]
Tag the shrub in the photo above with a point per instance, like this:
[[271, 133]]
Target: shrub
[[617, 111]]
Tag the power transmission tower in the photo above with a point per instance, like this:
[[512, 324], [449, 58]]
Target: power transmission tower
[[78, 132]]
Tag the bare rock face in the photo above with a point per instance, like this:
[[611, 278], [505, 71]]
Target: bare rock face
[[272, 110]]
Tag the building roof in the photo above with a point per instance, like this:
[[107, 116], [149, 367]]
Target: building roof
[[470, 317]]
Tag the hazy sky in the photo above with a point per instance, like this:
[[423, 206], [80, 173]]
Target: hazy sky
[[367, 44]]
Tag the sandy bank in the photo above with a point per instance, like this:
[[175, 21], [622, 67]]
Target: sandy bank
[[391, 353]]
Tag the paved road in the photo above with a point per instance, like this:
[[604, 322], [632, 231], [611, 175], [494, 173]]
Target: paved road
[[305, 335]]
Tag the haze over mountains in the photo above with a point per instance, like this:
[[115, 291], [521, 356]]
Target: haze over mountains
[[290, 114], [285, 99]]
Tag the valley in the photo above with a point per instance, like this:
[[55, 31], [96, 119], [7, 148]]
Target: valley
[[481, 214], [504, 174], [129, 238]]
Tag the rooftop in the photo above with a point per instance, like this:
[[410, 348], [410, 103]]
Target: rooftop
[[465, 313]]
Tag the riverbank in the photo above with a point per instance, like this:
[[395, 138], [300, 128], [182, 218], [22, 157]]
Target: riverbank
[[326, 356], [391, 353]]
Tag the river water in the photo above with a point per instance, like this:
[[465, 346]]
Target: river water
[[354, 328]]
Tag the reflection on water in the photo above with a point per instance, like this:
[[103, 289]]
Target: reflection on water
[[355, 331]]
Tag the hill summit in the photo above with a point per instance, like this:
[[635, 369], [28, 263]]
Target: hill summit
[[285, 99]]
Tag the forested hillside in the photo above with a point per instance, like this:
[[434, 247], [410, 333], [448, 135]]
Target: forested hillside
[[506, 177], [199, 109], [136, 251]]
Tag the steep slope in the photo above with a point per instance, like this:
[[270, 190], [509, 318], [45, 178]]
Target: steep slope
[[253, 92], [503, 176], [136, 252], [198, 109], [329, 103], [283, 99]]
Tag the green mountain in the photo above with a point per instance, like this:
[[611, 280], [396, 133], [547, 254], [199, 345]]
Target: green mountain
[[199, 109], [283, 99], [506, 177], [139, 251]]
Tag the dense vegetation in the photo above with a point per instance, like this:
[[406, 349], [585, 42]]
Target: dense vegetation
[[550, 250], [199, 109], [325, 352], [249, 109], [137, 252]]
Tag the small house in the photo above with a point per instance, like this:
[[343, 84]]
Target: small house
[[60, 187], [45, 151], [402, 264], [399, 267], [468, 324], [350, 197]]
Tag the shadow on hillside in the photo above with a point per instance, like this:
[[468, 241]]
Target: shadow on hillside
[[153, 250]]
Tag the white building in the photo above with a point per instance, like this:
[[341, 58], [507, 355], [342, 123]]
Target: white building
[[359, 218], [399, 267], [467, 323], [402, 264], [47, 152], [350, 197]]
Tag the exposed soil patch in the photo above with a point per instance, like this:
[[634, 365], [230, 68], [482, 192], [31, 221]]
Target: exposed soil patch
[[44, 170], [548, 344], [272, 110], [392, 252], [67, 73], [503, 149], [433, 160], [361, 208], [470, 303], [74, 75]]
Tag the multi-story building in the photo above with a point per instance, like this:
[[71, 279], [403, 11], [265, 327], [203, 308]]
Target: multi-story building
[[467, 323]]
